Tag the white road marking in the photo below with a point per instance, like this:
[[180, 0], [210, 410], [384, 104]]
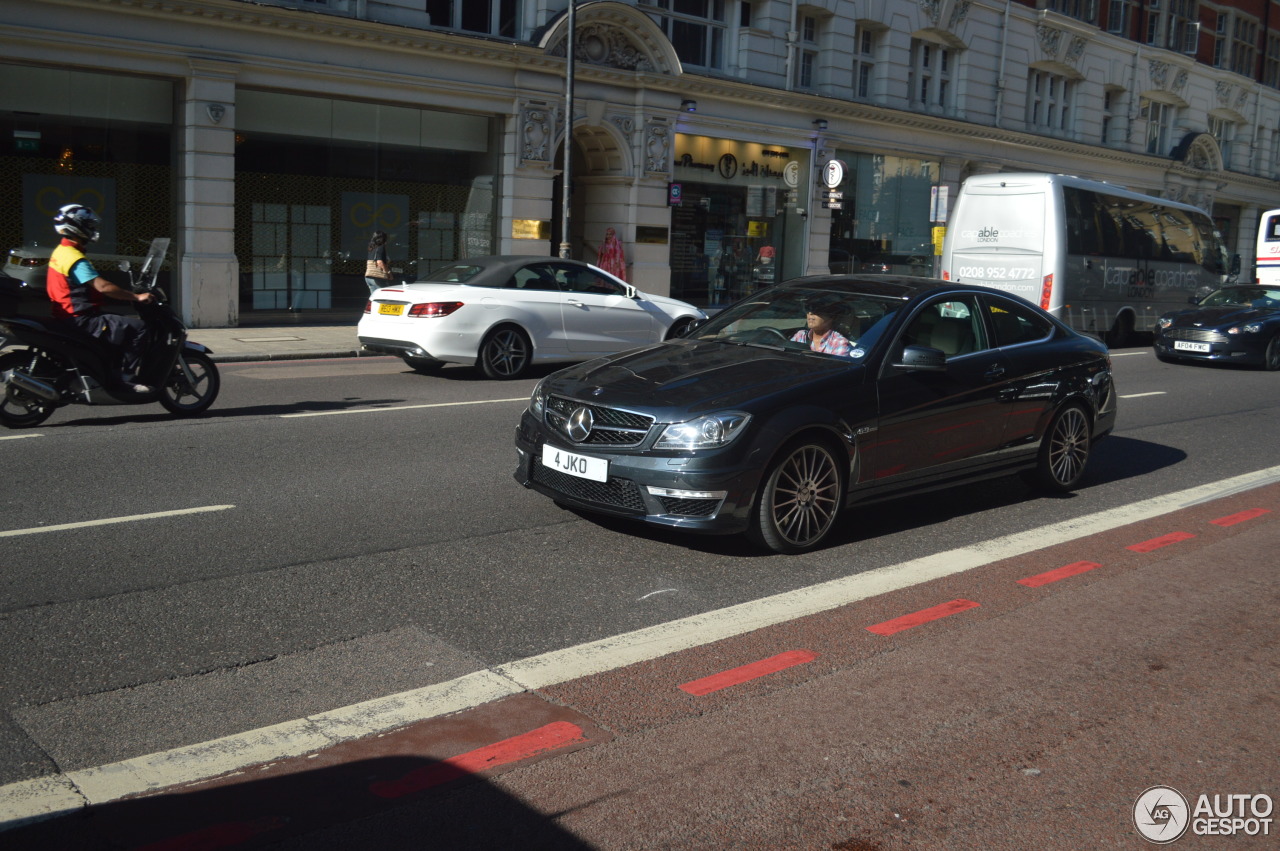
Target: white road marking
[[1140, 395], [18, 436], [1127, 354], [107, 521], [403, 408], [52, 794]]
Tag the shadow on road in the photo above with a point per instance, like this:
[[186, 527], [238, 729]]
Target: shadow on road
[[1113, 459], [389, 802]]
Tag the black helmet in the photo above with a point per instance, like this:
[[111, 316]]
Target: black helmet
[[78, 222]]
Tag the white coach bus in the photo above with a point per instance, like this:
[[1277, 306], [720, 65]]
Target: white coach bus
[[1099, 257], [1267, 270]]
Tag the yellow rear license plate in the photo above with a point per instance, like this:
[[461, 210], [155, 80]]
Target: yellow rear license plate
[[391, 309]]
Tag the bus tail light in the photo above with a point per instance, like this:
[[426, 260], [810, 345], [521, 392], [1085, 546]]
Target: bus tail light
[[1046, 292]]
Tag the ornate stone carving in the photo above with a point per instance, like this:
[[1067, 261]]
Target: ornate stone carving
[[1049, 38], [958, 13], [1076, 49], [625, 124], [932, 9], [607, 45], [536, 122], [1158, 72], [657, 147], [1180, 81]]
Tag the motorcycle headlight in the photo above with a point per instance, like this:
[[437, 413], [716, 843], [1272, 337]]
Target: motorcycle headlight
[[1251, 328], [710, 432]]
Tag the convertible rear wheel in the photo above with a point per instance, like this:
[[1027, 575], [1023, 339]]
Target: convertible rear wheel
[[1064, 451], [505, 354], [800, 499]]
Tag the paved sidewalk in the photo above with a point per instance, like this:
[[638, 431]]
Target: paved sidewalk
[[288, 342]]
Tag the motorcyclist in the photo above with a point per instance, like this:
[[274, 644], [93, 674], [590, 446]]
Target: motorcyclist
[[78, 292]]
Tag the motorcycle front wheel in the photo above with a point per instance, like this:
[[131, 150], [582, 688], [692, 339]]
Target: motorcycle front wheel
[[192, 385], [19, 409]]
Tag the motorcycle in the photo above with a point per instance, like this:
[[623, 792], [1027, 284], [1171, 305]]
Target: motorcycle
[[63, 365]]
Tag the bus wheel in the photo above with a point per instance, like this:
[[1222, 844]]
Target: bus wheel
[[1121, 332]]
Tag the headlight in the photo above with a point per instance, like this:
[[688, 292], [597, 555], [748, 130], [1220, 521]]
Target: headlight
[[538, 401], [709, 432], [1251, 328], [1163, 322]]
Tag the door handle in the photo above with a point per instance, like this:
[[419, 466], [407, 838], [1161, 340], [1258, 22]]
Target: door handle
[[994, 373]]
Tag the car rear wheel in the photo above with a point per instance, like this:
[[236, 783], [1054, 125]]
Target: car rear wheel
[[801, 497], [1064, 451], [1271, 360], [505, 354]]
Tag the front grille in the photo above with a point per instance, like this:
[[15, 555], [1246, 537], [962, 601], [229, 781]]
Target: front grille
[[1198, 335], [689, 507], [613, 427], [615, 493]]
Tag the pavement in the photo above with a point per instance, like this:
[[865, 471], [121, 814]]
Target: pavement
[[290, 342]]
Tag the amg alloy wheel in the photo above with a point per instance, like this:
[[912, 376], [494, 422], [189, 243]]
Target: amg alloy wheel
[[505, 354], [800, 499], [1064, 451]]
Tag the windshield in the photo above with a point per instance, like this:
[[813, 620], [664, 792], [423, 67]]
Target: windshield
[[1263, 298], [833, 324]]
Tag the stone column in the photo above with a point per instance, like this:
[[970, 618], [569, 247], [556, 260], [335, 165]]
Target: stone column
[[208, 271]]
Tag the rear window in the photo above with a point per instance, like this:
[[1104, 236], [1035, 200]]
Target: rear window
[[458, 273]]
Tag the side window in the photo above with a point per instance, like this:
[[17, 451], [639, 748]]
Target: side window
[[1014, 323], [587, 281], [952, 326], [539, 277]]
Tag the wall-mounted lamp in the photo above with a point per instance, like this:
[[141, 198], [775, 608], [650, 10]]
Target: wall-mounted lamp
[[819, 124], [689, 105]]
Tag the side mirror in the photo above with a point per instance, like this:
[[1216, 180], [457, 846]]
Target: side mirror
[[631, 292], [125, 265], [922, 358]]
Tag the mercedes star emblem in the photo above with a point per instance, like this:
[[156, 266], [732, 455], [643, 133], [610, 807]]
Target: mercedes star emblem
[[579, 424]]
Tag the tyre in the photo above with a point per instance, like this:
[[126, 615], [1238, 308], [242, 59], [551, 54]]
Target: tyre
[[192, 386], [425, 366], [679, 328], [800, 499], [505, 354], [1121, 332], [1064, 451], [18, 408], [1271, 360]]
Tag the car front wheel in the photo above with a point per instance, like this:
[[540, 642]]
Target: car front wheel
[[1064, 451], [1271, 360], [505, 354], [801, 497]]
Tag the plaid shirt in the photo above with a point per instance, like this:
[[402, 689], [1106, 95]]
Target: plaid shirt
[[833, 343]]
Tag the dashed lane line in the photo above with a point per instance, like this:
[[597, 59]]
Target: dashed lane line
[[1140, 395], [18, 436], [44, 796], [107, 521]]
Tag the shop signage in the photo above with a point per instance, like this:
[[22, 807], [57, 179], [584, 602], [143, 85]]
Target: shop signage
[[833, 173], [530, 229], [743, 162], [675, 194]]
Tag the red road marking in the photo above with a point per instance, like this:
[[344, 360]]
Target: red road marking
[[1060, 573], [1162, 541], [1233, 519], [922, 616], [752, 671], [553, 736]]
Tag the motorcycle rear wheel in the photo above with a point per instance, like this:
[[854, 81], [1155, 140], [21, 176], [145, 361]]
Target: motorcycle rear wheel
[[17, 408], [192, 386]]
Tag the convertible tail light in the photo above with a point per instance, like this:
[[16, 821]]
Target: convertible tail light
[[368, 306], [1046, 292], [434, 309]]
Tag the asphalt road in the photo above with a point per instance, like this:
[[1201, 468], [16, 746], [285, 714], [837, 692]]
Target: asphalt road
[[353, 531]]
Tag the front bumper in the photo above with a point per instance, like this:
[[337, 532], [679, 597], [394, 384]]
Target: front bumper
[[711, 492], [1247, 349]]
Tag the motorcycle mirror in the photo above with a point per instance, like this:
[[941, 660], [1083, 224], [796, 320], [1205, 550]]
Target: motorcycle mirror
[[125, 265]]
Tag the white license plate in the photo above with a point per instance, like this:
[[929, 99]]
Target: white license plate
[[1184, 346], [570, 463]]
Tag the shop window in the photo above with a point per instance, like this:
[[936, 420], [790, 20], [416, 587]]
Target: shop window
[[103, 140], [316, 177], [884, 226]]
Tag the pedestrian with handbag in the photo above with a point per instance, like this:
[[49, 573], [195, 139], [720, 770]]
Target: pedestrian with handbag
[[377, 272]]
